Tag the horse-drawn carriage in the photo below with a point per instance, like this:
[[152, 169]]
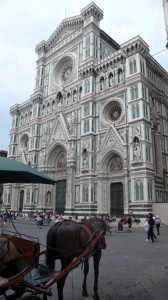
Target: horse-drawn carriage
[[22, 276]]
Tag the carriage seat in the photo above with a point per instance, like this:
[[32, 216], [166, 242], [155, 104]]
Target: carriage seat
[[15, 268]]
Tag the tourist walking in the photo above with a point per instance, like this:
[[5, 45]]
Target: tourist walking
[[151, 223], [157, 223], [129, 222]]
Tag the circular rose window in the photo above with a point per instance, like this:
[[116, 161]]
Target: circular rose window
[[112, 111], [115, 112], [63, 71]]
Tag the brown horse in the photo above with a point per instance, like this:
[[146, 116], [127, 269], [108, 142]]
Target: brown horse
[[67, 239]]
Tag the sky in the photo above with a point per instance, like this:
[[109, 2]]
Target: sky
[[24, 24]]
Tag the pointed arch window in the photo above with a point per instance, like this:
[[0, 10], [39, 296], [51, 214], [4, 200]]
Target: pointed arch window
[[139, 192], [150, 190], [87, 86], [133, 66], [85, 193], [135, 111], [134, 92]]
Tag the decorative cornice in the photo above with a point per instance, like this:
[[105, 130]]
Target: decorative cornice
[[92, 10], [152, 64], [134, 45], [95, 68], [75, 22]]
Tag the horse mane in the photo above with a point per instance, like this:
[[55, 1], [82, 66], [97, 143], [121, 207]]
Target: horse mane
[[97, 224]]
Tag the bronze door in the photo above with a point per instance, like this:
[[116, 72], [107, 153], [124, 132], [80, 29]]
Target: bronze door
[[117, 203], [60, 196], [21, 201]]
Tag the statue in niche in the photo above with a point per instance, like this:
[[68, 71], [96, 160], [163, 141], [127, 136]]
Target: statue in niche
[[110, 80], [137, 150], [136, 145], [102, 84], [120, 76], [85, 158], [70, 152]]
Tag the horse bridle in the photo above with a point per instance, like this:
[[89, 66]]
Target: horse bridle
[[8, 248]]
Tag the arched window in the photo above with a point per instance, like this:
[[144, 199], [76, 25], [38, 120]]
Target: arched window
[[85, 193], [48, 200], [135, 111], [87, 86], [139, 190], [26, 118], [21, 122], [134, 92], [150, 190], [131, 67], [134, 66]]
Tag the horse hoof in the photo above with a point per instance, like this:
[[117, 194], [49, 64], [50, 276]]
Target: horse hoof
[[96, 297], [84, 293]]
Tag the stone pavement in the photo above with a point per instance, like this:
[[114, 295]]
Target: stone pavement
[[130, 268]]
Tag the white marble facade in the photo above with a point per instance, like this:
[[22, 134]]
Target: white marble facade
[[97, 122]]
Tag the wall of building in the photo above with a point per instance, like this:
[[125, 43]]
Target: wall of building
[[161, 209]]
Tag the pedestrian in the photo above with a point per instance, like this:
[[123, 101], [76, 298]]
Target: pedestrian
[[151, 223], [157, 223], [108, 228], [48, 219], [146, 225], [39, 221], [129, 222]]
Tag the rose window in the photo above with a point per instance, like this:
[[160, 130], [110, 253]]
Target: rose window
[[115, 112]]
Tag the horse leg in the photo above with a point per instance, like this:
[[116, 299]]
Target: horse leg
[[96, 261], [61, 282], [86, 271]]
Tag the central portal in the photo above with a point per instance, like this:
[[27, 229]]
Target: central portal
[[117, 203], [60, 196]]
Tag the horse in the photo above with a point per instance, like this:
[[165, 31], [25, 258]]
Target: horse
[[67, 239], [8, 252]]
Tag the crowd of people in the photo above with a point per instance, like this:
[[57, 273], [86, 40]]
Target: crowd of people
[[151, 224]]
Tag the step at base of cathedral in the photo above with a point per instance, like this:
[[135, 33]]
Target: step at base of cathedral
[[140, 209]]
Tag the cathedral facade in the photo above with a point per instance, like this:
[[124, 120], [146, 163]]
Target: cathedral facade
[[97, 123]]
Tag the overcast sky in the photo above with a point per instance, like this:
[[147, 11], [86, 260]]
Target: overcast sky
[[23, 24]]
